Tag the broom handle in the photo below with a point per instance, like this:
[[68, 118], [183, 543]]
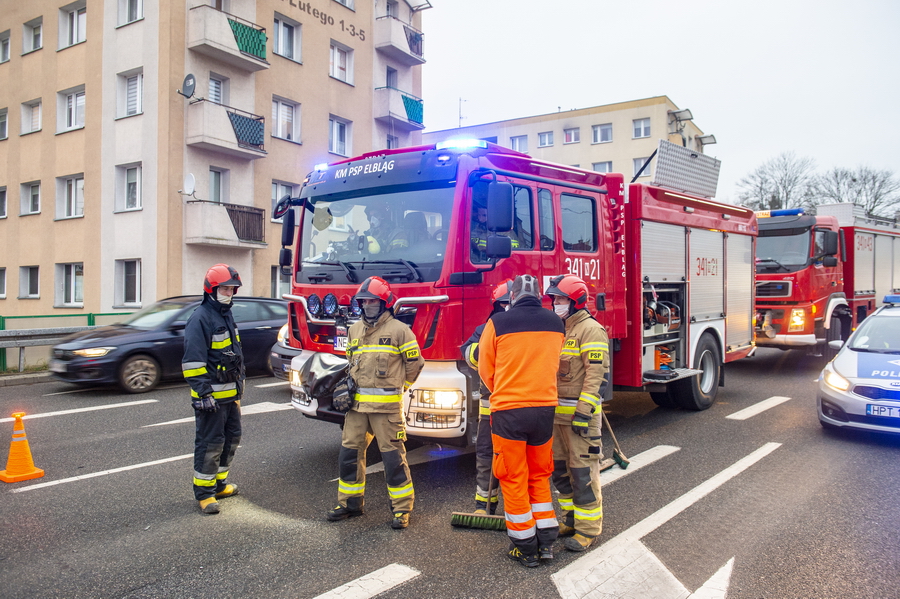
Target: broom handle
[[609, 428]]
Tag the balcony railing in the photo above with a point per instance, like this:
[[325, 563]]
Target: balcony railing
[[221, 128], [227, 38], [399, 109], [400, 41], [218, 224]]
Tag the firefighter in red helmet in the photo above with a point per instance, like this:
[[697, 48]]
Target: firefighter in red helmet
[[484, 447], [582, 381], [384, 361], [213, 365]]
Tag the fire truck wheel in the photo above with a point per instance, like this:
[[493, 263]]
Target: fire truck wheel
[[699, 392], [664, 399], [832, 334]]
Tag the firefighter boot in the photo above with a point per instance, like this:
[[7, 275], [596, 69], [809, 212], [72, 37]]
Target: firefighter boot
[[579, 542], [566, 531], [209, 505], [227, 491], [401, 520], [341, 512], [480, 508]]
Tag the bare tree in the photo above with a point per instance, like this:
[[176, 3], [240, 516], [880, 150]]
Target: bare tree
[[878, 191], [782, 182]]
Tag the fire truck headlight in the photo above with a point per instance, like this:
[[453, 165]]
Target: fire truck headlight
[[834, 380], [331, 305], [447, 400], [798, 320], [314, 303]]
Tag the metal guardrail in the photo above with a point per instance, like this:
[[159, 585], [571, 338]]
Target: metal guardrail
[[23, 338]]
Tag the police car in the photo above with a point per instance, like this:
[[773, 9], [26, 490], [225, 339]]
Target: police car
[[860, 388]]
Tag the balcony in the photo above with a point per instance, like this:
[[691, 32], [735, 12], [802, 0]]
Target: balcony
[[399, 41], [227, 38], [399, 109], [221, 128], [230, 225]]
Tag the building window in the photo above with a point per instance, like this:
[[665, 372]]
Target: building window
[[218, 185], [279, 190], [31, 116], [638, 163], [69, 284], [602, 167], [572, 136], [287, 38], [32, 35], [393, 142], [519, 143], [602, 133], [4, 127], [578, 218], [392, 9], [4, 46], [72, 105], [285, 119], [347, 3], [2, 202], [128, 283], [29, 282], [31, 198], [128, 187], [338, 136], [546, 219], [391, 78], [641, 128], [217, 91], [130, 11], [72, 24], [130, 93], [70, 196], [2, 283], [280, 283], [341, 62], [545, 139]]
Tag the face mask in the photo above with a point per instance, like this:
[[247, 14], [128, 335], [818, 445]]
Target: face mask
[[372, 311], [561, 310], [375, 221], [223, 299]]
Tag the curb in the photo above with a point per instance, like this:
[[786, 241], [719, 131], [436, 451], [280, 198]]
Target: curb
[[24, 379]]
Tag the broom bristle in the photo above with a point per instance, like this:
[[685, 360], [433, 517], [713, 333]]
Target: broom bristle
[[621, 460], [481, 521]]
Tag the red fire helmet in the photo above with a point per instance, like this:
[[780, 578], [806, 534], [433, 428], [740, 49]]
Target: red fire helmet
[[376, 288], [221, 274], [571, 287]]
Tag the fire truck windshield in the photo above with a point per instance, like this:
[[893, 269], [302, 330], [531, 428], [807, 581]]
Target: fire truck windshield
[[375, 233], [782, 250]]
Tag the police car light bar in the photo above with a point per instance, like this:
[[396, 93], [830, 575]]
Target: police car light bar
[[785, 212], [892, 299], [460, 144]]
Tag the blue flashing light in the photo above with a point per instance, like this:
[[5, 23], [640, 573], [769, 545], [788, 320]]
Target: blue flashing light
[[461, 144], [785, 212], [322, 167], [892, 298]]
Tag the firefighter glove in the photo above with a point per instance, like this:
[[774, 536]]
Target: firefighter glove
[[580, 423], [205, 404]]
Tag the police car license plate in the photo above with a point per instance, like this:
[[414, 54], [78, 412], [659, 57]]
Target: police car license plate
[[888, 411], [340, 343], [57, 366]]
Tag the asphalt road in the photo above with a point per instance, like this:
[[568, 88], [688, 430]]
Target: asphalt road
[[768, 506]]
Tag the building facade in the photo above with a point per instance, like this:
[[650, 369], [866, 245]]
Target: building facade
[[142, 141], [615, 138]]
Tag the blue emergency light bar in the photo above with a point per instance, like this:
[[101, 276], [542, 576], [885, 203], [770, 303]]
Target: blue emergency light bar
[[892, 299], [460, 144], [785, 212], [321, 167]]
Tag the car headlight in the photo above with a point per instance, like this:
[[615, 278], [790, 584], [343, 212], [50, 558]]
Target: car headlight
[[834, 380], [282, 334], [798, 320], [93, 352], [295, 379]]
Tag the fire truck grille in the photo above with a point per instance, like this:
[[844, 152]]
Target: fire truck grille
[[773, 289], [876, 393]]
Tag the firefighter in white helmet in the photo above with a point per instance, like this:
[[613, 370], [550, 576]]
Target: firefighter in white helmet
[[581, 382]]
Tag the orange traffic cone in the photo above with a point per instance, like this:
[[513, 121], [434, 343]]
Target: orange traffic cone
[[19, 466]]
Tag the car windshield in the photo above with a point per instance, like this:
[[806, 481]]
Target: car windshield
[[781, 252], [390, 230], [879, 333], [154, 315]]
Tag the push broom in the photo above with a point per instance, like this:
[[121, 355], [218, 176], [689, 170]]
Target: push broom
[[482, 521], [617, 456]]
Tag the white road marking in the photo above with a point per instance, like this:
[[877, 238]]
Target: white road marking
[[90, 409], [758, 408], [636, 463], [101, 473], [623, 567], [372, 584], [254, 408], [278, 384]]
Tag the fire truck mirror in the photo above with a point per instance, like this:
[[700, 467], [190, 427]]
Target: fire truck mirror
[[322, 218], [285, 256], [831, 243], [287, 228], [500, 206], [830, 261], [499, 246]]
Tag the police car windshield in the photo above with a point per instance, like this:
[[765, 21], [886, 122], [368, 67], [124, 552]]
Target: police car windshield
[[879, 333], [781, 253], [388, 228]]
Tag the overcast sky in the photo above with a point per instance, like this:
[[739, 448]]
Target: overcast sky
[[820, 78]]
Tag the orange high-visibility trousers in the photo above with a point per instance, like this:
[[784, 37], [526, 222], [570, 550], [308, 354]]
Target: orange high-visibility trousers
[[523, 463]]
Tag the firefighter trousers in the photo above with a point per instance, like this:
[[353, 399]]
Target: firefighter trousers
[[523, 463], [484, 455], [576, 475], [390, 432], [218, 435]]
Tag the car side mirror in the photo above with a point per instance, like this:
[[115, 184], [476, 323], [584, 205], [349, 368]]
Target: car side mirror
[[836, 344]]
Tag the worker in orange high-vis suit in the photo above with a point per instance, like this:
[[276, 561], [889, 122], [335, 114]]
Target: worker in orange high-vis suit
[[518, 358], [384, 361], [583, 379]]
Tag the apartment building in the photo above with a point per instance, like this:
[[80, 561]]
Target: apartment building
[[143, 141], [614, 138]]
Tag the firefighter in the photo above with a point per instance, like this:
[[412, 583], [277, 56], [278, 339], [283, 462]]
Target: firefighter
[[213, 366], [518, 357], [384, 361], [381, 229], [484, 448], [582, 381]]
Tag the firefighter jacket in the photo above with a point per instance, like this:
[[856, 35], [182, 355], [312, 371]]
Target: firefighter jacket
[[583, 367], [384, 361], [519, 355], [469, 351], [213, 362]]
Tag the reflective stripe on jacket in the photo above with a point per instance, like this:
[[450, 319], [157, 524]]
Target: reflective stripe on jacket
[[209, 333]]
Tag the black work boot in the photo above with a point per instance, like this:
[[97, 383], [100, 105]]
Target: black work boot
[[341, 512], [529, 561]]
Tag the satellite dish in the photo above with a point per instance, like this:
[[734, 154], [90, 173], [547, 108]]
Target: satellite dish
[[188, 188], [187, 86]]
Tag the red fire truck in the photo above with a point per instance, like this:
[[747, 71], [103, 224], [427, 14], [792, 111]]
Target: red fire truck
[[670, 272], [818, 276]]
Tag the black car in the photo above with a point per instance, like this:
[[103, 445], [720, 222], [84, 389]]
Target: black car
[[147, 347], [282, 354]]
